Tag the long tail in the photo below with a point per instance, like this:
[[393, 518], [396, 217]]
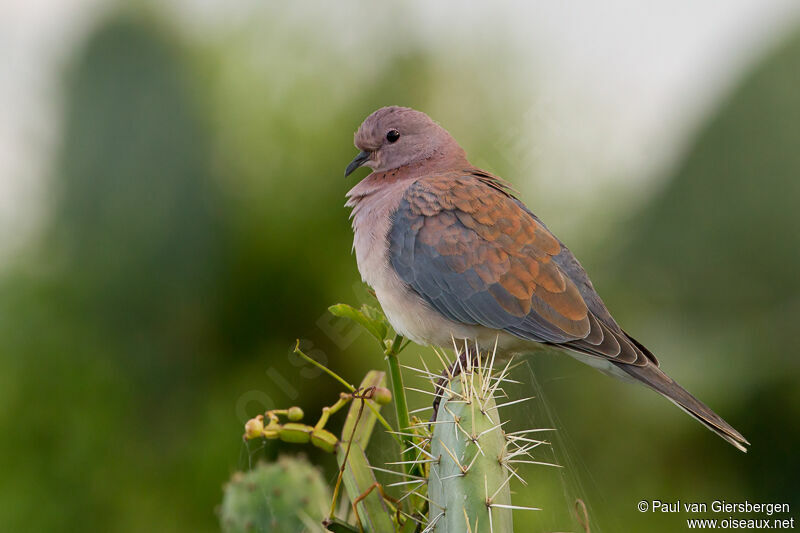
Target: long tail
[[654, 378]]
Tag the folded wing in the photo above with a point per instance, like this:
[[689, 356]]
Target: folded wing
[[478, 256]]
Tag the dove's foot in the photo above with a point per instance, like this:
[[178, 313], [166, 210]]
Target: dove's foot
[[448, 374]]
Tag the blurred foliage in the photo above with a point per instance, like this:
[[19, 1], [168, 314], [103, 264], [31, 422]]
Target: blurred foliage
[[723, 233], [196, 229], [712, 262]]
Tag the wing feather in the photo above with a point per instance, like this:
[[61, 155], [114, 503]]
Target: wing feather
[[479, 256]]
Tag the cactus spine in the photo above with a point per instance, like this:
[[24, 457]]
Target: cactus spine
[[468, 483]]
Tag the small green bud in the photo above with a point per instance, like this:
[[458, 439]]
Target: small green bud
[[294, 414], [254, 428], [298, 433], [382, 395]]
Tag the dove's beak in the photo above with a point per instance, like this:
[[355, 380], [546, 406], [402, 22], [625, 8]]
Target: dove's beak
[[359, 160]]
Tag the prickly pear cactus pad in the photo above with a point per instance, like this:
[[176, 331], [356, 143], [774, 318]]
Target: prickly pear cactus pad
[[287, 496]]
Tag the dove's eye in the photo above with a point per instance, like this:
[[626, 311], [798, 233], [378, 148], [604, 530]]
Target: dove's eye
[[392, 135]]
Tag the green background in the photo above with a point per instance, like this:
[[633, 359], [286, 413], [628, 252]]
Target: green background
[[196, 227]]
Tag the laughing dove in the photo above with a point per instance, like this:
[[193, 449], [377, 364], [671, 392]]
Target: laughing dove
[[452, 253]]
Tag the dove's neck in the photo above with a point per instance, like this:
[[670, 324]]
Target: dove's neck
[[387, 186], [445, 155]]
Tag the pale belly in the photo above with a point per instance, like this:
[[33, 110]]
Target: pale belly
[[414, 318]]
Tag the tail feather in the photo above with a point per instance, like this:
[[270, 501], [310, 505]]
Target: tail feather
[[654, 378]]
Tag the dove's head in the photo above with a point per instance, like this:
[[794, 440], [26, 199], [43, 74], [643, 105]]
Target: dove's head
[[393, 137]]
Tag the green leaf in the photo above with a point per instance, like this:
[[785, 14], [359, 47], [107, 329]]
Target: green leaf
[[363, 430], [376, 517], [376, 315], [368, 317], [358, 476]]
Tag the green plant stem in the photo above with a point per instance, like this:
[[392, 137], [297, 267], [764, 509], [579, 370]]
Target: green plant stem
[[322, 367], [400, 403], [349, 387], [328, 411]]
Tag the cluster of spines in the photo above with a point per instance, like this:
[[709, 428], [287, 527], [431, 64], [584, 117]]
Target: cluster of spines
[[468, 458]]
